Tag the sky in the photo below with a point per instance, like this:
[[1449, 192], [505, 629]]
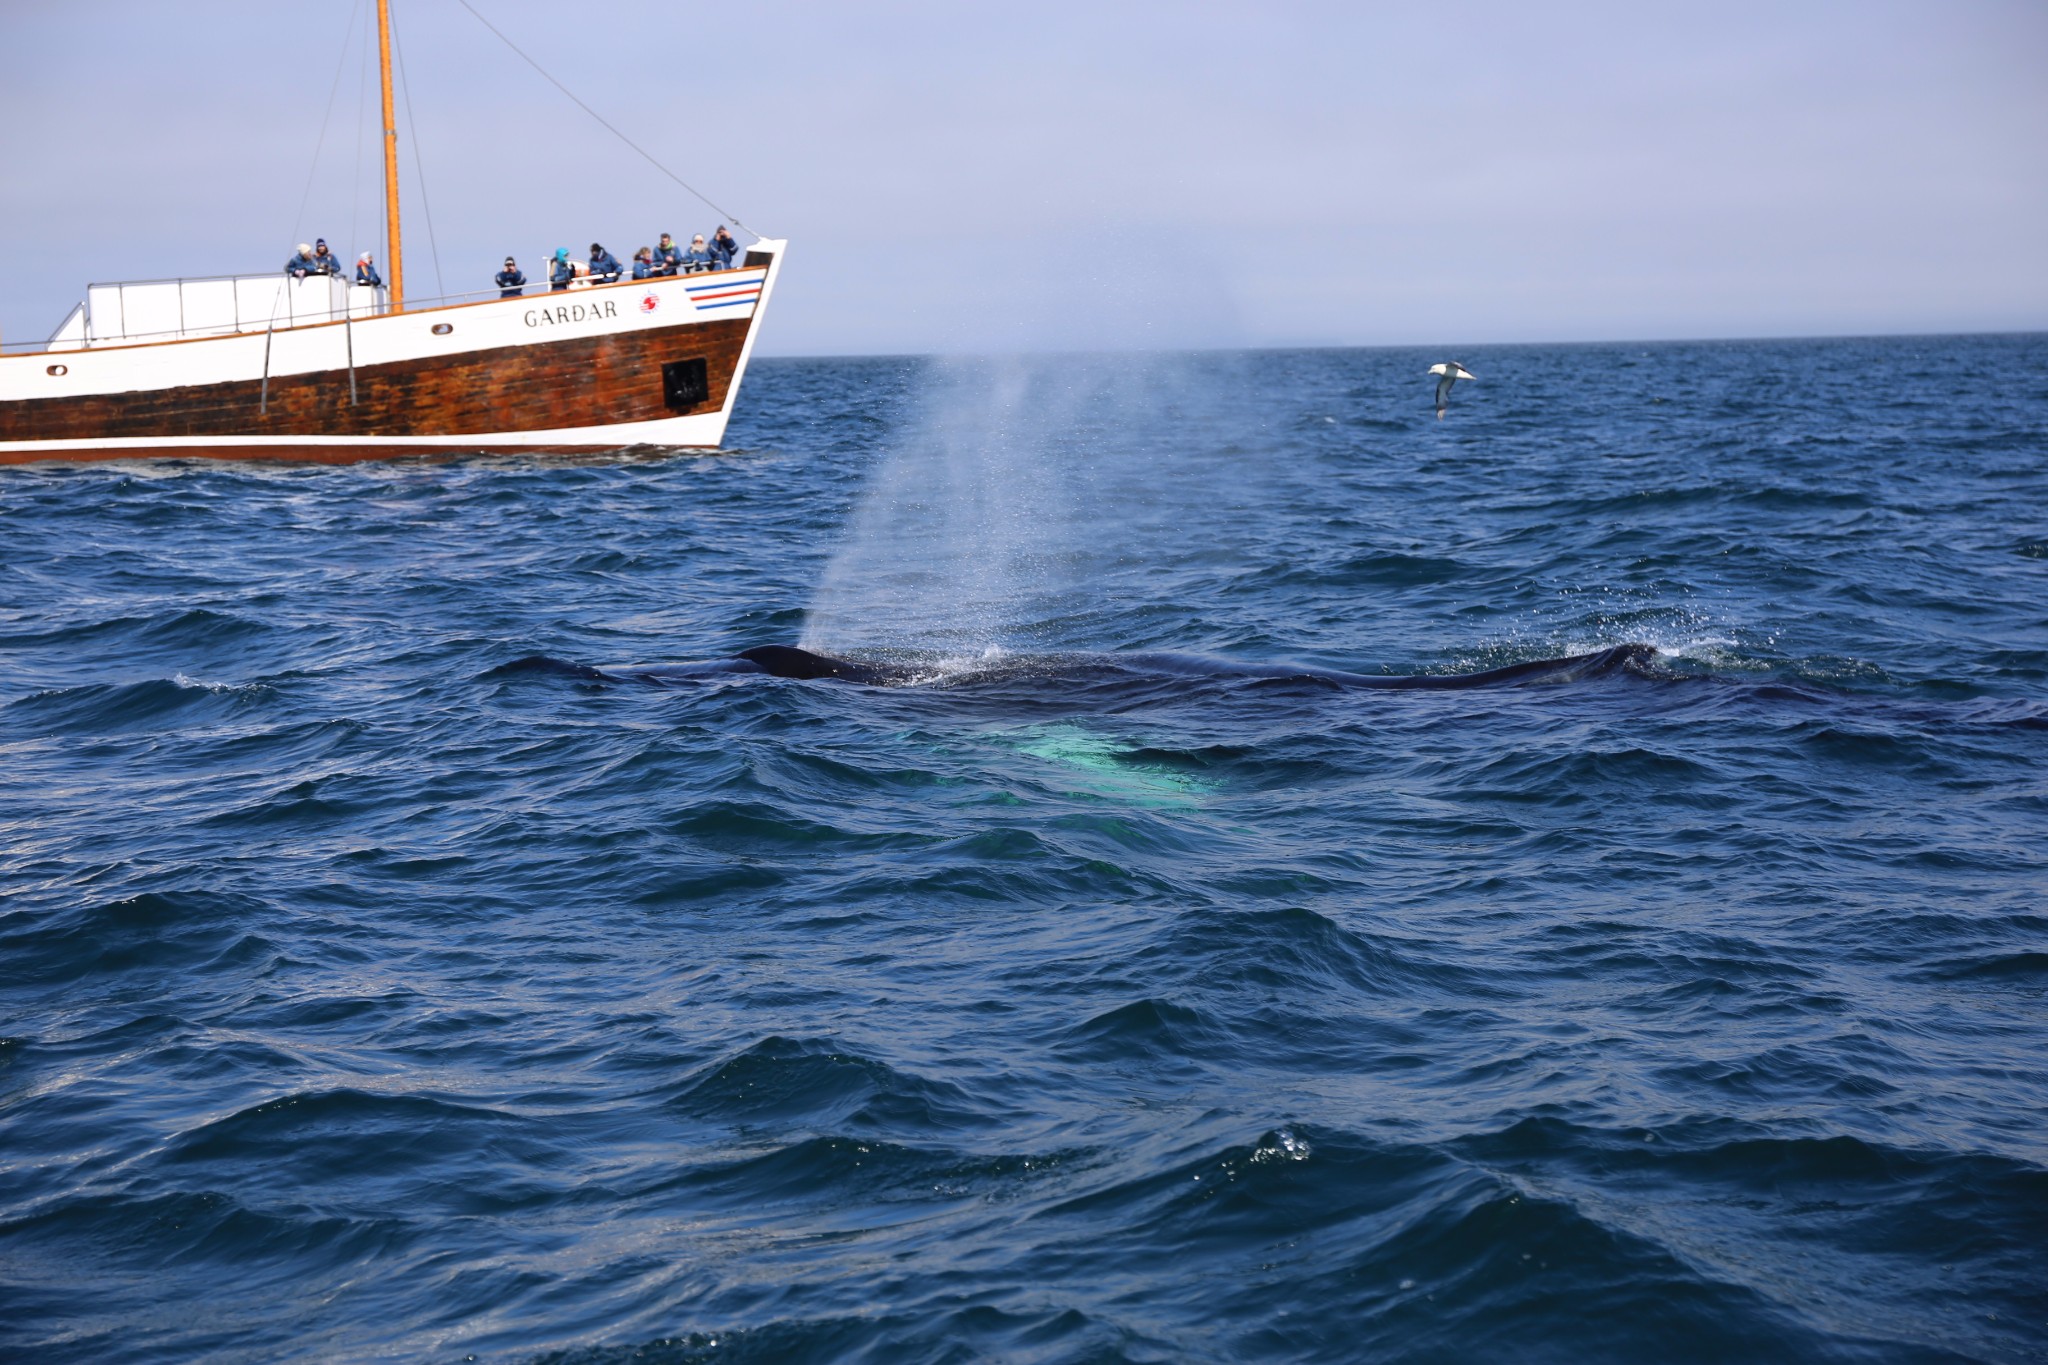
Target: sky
[[962, 177]]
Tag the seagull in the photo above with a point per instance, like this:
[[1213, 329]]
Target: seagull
[[1451, 372]]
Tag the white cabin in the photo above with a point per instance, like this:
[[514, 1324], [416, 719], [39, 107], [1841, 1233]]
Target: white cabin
[[144, 311]]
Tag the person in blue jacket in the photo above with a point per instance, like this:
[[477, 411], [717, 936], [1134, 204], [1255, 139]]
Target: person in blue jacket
[[724, 246], [604, 265], [511, 280], [325, 262], [698, 257], [366, 271], [302, 264], [644, 267], [562, 272], [668, 255]]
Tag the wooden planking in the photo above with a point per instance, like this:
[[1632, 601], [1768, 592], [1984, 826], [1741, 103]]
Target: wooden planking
[[576, 382], [610, 452]]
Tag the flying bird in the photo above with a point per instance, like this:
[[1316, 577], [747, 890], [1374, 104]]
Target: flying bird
[[1451, 372]]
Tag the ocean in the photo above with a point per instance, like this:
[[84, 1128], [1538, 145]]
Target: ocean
[[391, 970]]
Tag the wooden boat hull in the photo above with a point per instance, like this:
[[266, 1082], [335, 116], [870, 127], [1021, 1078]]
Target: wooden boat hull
[[653, 362]]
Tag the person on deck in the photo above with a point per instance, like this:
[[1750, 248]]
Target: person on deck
[[724, 246], [562, 272], [511, 280], [698, 257], [366, 271], [302, 264], [643, 265], [669, 255], [604, 265], [325, 262]]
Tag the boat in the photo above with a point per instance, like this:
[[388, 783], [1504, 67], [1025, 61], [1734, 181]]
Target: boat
[[278, 367]]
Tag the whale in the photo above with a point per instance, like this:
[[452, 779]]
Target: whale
[[786, 661], [803, 665]]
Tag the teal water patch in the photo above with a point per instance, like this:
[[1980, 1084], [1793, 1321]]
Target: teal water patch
[[1106, 767]]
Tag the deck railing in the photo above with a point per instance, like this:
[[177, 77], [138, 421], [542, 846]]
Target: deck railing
[[136, 312]]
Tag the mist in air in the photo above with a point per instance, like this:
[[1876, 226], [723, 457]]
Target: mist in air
[[1020, 503]]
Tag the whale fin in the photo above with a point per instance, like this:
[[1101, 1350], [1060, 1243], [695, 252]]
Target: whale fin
[[786, 661], [1600, 663]]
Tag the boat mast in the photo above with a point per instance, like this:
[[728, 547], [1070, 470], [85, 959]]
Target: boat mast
[[397, 262]]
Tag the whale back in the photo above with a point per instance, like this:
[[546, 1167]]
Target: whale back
[[787, 661]]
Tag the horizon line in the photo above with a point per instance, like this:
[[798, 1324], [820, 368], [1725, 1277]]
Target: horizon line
[[1404, 346]]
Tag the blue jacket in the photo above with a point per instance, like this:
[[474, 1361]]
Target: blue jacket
[[699, 260], [605, 264], [669, 258], [725, 250], [643, 270], [367, 274], [563, 272], [330, 264], [301, 265]]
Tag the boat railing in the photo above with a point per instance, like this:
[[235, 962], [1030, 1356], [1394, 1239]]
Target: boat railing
[[132, 312], [139, 312]]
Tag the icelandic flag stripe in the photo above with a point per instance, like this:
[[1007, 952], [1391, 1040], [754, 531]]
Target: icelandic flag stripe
[[755, 280], [727, 298]]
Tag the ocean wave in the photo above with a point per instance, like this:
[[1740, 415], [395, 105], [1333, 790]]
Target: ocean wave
[[151, 934], [96, 708], [821, 1085]]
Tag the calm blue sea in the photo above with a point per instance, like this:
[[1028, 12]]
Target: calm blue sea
[[375, 984]]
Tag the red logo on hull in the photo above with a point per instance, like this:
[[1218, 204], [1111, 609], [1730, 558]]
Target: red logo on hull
[[649, 302]]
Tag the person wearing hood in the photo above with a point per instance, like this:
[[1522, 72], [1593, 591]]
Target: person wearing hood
[[302, 264], [366, 271], [698, 257], [511, 280], [325, 262], [644, 267], [724, 246], [562, 272], [604, 265]]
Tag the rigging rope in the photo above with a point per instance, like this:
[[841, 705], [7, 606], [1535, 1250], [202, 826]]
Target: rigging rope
[[313, 167], [355, 184], [732, 217]]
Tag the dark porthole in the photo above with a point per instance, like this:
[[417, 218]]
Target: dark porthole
[[442, 329], [58, 369], [685, 384]]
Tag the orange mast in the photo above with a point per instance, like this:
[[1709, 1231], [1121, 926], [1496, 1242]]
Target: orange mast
[[397, 261]]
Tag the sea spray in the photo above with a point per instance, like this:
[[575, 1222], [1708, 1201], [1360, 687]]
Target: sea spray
[[1003, 513]]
